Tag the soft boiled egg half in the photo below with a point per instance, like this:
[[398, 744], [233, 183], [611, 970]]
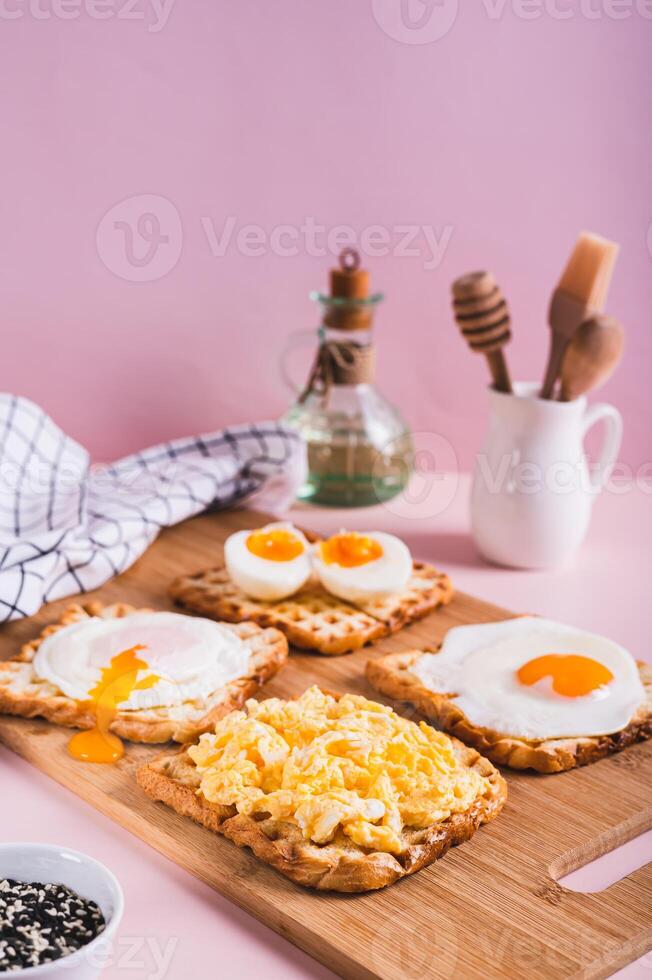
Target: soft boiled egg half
[[270, 563], [362, 567], [535, 679]]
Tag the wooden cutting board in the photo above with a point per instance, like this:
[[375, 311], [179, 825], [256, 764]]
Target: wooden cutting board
[[490, 908]]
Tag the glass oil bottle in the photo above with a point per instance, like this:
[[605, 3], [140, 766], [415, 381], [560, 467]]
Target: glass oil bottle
[[360, 450]]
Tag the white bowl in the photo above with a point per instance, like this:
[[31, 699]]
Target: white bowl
[[51, 864]]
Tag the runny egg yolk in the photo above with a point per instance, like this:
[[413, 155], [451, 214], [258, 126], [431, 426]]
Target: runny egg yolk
[[573, 676], [115, 685], [350, 550], [277, 544]]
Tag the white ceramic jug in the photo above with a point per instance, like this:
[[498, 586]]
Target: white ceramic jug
[[532, 488]]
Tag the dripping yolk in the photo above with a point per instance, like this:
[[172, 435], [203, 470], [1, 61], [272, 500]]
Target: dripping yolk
[[115, 685], [277, 544], [572, 675], [350, 550]]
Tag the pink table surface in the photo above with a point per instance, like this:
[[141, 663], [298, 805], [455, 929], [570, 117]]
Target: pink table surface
[[175, 926]]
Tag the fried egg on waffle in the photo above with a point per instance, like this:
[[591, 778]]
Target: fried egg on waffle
[[528, 692]]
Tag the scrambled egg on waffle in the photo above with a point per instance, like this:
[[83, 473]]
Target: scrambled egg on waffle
[[348, 765]]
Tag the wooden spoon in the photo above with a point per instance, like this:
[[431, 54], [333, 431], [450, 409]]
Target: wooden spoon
[[591, 356], [581, 293]]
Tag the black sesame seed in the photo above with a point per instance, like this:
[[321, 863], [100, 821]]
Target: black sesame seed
[[40, 923]]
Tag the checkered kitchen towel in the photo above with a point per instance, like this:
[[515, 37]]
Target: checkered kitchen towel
[[66, 527]]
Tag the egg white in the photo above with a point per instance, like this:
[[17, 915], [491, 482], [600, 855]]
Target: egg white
[[478, 665], [261, 578], [193, 657], [375, 579]]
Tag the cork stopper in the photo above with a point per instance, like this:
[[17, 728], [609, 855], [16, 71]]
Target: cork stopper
[[349, 289], [349, 281]]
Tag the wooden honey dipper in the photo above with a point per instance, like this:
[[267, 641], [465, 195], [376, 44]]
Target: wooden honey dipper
[[483, 317]]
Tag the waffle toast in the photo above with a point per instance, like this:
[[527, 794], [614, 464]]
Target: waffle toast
[[339, 864], [313, 619], [25, 695]]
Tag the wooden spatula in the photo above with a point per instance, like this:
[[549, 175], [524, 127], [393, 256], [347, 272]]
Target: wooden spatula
[[591, 356], [581, 293]]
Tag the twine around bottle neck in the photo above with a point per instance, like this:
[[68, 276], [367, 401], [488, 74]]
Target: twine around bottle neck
[[339, 362]]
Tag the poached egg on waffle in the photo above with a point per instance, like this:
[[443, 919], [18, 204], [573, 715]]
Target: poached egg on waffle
[[179, 658], [535, 678], [334, 766]]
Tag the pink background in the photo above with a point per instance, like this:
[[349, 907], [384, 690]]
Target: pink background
[[514, 132]]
